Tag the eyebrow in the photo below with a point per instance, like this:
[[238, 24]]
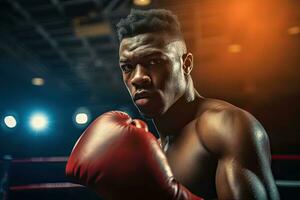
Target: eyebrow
[[144, 54]]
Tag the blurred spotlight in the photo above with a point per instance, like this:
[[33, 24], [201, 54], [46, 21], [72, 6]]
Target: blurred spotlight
[[38, 81], [141, 2], [234, 48], [38, 121], [294, 30], [10, 121], [81, 118]]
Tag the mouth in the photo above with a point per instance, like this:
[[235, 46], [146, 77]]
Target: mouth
[[142, 97]]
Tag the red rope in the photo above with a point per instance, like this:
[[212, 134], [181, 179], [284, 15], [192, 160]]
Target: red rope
[[285, 157]]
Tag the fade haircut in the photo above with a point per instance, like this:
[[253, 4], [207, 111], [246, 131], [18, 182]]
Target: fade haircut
[[148, 21]]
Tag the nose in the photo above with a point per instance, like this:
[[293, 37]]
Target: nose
[[140, 77]]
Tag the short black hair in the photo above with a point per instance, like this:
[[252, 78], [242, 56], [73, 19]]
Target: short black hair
[[148, 21]]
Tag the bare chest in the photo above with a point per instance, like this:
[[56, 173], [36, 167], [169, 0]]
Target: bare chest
[[191, 164]]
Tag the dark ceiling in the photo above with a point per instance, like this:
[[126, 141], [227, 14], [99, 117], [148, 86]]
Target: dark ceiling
[[39, 39]]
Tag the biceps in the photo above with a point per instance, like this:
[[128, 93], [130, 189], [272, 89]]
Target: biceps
[[235, 182]]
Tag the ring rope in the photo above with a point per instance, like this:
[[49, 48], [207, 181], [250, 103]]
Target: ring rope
[[65, 159], [42, 186], [64, 185]]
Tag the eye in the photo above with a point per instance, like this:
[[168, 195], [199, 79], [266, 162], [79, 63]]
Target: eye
[[155, 61], [126, 68]]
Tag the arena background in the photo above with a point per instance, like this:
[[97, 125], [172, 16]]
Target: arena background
[[60, 58]]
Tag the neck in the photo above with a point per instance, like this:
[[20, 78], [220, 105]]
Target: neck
[[183, 111]]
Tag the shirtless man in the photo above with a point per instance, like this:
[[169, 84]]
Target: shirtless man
[[213, 149]]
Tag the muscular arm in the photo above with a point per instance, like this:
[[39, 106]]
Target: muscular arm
[[242, 148]]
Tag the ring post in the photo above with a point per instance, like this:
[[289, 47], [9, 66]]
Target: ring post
[[4, 181]]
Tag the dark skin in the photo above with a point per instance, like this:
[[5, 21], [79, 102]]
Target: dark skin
[[214, 149]]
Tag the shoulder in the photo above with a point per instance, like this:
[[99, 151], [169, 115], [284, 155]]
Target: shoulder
[[224, 127]]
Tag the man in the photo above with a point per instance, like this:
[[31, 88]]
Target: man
[[213, 149]]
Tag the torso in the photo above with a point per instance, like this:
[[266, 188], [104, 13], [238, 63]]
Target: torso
[[192, 164]]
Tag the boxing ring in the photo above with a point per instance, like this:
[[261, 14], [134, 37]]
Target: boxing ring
[[7, 161]]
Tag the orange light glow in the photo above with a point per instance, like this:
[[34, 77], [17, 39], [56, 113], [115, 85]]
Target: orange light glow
[[234, 48], [294, 30], [142, 2]]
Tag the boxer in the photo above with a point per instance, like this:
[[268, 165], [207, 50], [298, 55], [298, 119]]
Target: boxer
[[208, 148]]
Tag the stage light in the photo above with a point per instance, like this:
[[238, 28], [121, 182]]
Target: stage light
[[38, 121], [234, 48], [294, 30], [10, 121], [37, 81], [141, 2], [81, 118]]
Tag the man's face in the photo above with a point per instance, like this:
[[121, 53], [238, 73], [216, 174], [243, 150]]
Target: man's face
[[151, 65]]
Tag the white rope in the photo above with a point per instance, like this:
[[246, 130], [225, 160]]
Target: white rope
[[45, 186]]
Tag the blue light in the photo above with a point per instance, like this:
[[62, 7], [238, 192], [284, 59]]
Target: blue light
[[38, 121], [10, 121], [81, 117]]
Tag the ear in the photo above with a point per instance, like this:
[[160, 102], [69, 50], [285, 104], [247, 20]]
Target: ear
[[187, 63]]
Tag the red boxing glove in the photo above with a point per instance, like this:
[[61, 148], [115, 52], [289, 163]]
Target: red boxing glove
[[119, 159]]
